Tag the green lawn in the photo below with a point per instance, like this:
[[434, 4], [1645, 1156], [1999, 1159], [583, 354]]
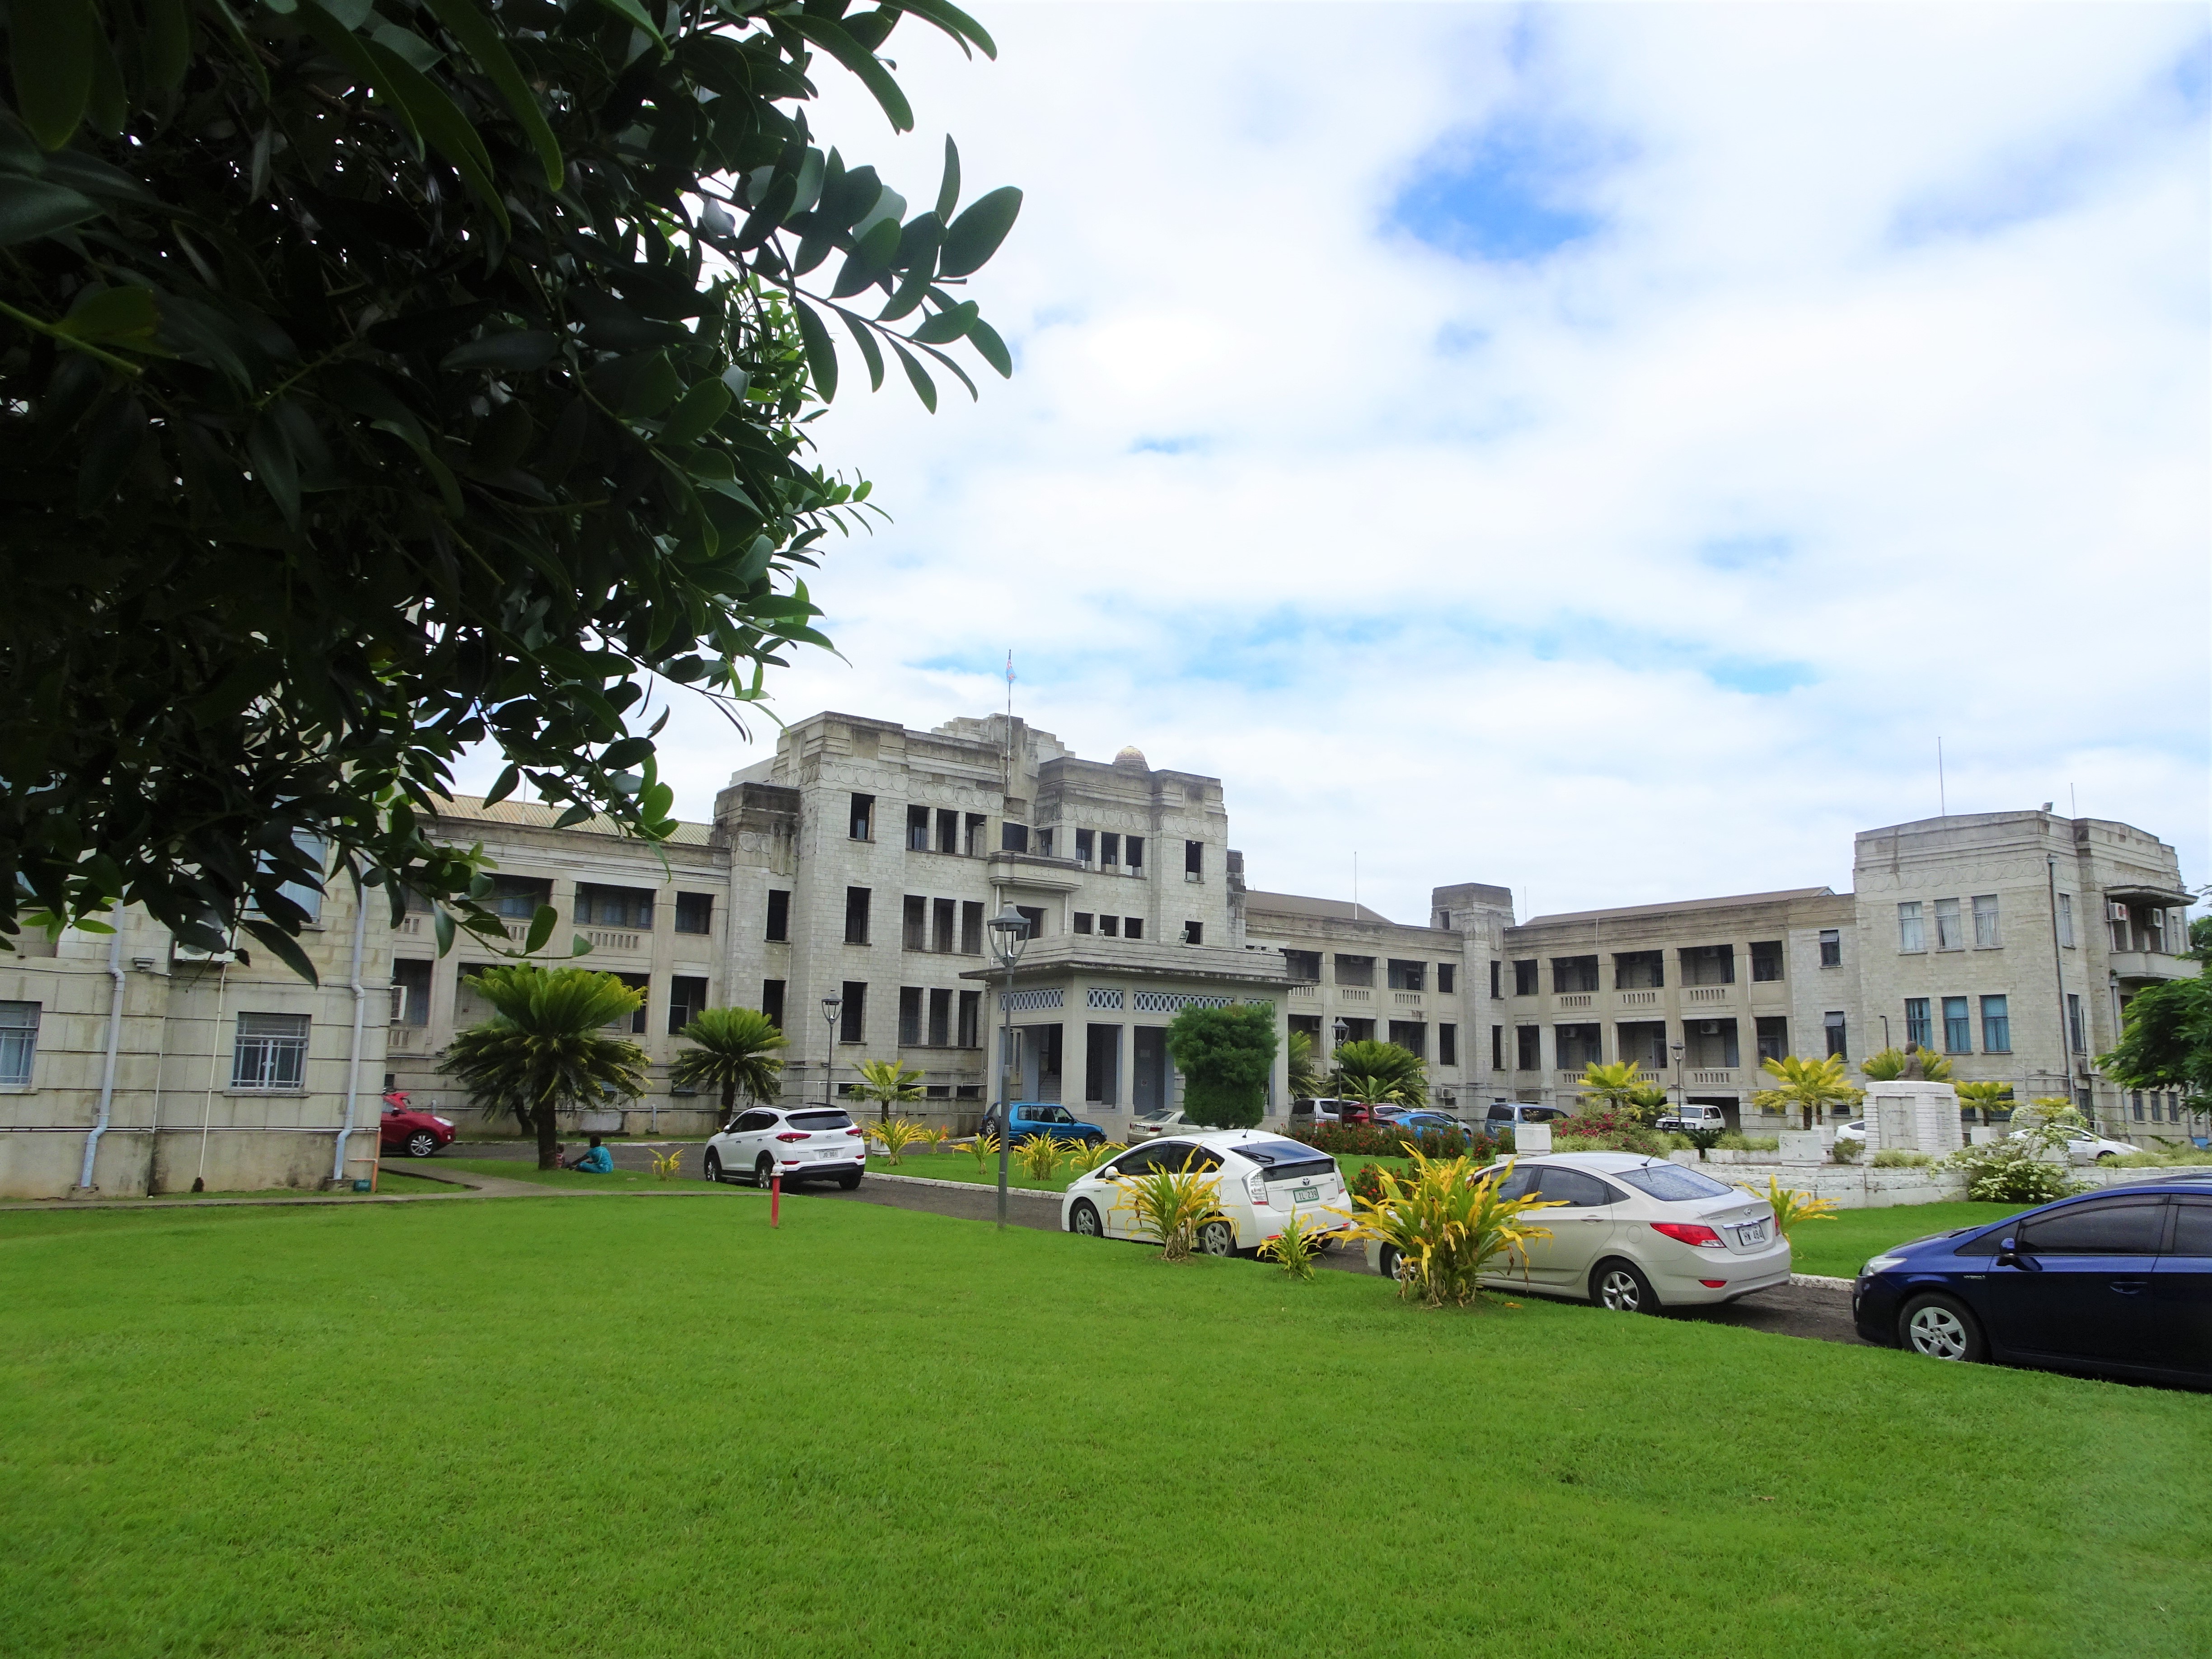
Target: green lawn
[[961, 1166], [492, 1428], [1841, 1246], [516, 1169]]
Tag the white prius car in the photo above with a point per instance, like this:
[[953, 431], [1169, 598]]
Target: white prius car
[[1634, 1233], [1263, 1180]]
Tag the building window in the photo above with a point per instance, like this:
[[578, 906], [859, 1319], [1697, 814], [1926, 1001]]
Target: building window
[[19, 1042], [517, 898], [856, 915], [695, 913], [772, 1001], [1497, 1045], [1303, 967], [862, 826], [1528, 1044], [1445, 979], [779, 918], [634, 1022], [687, 1001], [411, 998], [1766, 957], [853, 1017], [1360, 1031], [1833, 1020], [940, 1020], [1081, 921], [614, 907], [1494, 966], [917, 829], [979, 824], [1044, 843], [1832, 952], [914, 923], [1447, 1045], [1947, 926], [1407, 975], [2076, 1035], [1912, 930], [971, 928], [269, 1052], [1640, 970], [942, 917], [1086, 847], [1132, 927], [1412, 1036], [1354, 970], [1708, 964], [1110, 849], [1033, 915], [1958, 1030], [948, 830], [1985, 922], [1194, 932], [1575, 1047], [1013, 838], [1193, 860], [1524, 978], [1997, 1026], [1916, 1033], [910, 1004], [1109, 927], [971, 1004], [1132, 854], [2066, 920], [1773, 1037], [1573, 973]]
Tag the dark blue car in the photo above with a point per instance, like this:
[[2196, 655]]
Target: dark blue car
[[2115, 1284]]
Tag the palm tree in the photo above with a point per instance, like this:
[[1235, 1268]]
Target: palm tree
[[1306, 1079], [1812, 1086], [735, 1050], [1989, 1097], [1889, 1064], [886, 1081], [1381, 1066], [1616, 1086], [546, 1047]]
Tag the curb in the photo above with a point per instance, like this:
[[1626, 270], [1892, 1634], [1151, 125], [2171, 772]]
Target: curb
[[960, 1186], [1822, 1282]]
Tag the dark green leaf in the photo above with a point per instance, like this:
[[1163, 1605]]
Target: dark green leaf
[[833, 40], [168, 43], [918, 378], [441, 922], [109, 105], [351, 50], [821, 351], [31, 208], [521, 351], [274, 465], [975, 236], [285, 947], [954, 23], [636, 15], [503, 786], [442, 123], [948, 193], [469, 26], [947, 326], [702, 405], [543, 921], [866, 336], [655, 386], [51, 44], [990, 348]]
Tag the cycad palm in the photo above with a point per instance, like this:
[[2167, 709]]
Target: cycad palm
[[1380, 1071], [546, 1046], [888, 1081], [1808, 1085], [1888, 1064], [1615, 1087], [733, 1049]]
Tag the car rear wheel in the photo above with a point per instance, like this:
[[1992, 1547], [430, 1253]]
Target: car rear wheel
[[764, 1172], [1217, 1238], [1621, 1286], [847, 1183], [422, 1144], [1084, 1219], [1941, 1327], [713, 1166], [1391, 1262]]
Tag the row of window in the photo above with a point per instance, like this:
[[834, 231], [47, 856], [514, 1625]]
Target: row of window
[[1303, 968], [1115, 926], [1950, 923], [1706, 1043], [1411, 1035], [518, 898], [269, 1052], [942, 830], [1646, 971], [1959, 1024]]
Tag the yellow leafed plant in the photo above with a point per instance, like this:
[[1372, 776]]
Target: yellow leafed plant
[[1082, 1156], [1293, 1249], [665, 1165], [1448, 1226], [893, 1134], [984, 1147], [1041, 1156], [1170, 1206], [1792, 1206]]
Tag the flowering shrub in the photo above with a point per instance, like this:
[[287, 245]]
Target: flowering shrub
[[1386, 1140], [1611, 1131], [2010, 1173]]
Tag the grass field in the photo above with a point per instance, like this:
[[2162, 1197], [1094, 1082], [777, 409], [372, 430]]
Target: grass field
[[492, 1428], [517, 1169], [1840, 1246]]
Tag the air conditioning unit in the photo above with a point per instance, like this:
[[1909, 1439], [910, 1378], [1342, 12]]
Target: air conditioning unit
[[193, 953], [2118, 911], [1709, 1028]]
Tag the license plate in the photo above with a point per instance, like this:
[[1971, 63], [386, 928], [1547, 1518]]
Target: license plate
[[826, 1152], [1753, 1234], [1305, 1195]]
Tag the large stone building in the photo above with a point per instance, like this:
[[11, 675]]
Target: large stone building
[[845, 885]]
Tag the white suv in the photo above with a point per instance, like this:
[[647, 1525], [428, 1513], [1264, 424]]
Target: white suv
[[799, 1143], [1263, 1180]]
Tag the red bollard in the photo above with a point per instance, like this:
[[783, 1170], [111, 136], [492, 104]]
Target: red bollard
[[775, 1198]]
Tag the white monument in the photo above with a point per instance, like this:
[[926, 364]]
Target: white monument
[[1912, 1115]]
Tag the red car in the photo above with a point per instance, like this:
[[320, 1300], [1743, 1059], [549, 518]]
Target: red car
[[416, 1134]]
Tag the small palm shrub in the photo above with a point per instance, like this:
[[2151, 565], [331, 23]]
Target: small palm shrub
[[1791, 1207], [936, 1134], [2009, 1172], [665, 1165], [1448, 1224], [1040, 1156], [1083, 1156], [1170, 1206], [1894, 1159], [1846, 1151], [893, 1134], [1706, 1138], [984, 1148], [1293, 1249]]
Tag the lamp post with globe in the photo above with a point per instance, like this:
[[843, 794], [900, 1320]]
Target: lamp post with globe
[[1009, 935]]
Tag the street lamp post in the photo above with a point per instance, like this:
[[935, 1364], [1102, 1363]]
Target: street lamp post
[[1340, 1030], [831, 1005], [1681, 1098], [1010, 933]]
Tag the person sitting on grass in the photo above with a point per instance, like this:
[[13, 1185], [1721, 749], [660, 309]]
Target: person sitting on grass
[[597, 1161]]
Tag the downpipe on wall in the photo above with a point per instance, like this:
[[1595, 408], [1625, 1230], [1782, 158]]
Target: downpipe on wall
[[353, 1058], [107, 1065]]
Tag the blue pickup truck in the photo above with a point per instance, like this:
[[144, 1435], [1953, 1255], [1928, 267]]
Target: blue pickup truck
[[1035, 1117]]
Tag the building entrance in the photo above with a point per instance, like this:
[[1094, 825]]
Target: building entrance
[[1148, 1075]]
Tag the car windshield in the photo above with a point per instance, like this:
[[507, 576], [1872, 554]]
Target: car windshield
[[822, 1120], [1156, 1114], [1286, 1160], [1670, 1184]]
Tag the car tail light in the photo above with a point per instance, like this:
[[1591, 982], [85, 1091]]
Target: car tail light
[[1713, 1284], [1256, 1185], [853, 1130], [1690, 1232], [792, 1136]]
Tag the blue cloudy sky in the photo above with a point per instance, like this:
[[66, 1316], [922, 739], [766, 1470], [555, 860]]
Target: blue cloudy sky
[[1593, 449]]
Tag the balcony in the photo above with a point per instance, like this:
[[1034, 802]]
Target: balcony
[[1639, 998], [1355, 994], [1578, 999], [2150, 965], [1721, 1078], [1693, 994], [1302, 988], [610, 939], [1407, 999]]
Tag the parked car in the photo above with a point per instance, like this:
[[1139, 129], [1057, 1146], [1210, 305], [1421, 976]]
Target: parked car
[[1504, 1117], [1391, 1113], [1434, 1123], [1633, 1233], [1855, 1130], [2087, 1146], [1034, 1117], [1689, 1117], [2117, 1283], [1315, 1112], [1160, 1121], [405, 1131], [1264, 1180], [799, 1143]]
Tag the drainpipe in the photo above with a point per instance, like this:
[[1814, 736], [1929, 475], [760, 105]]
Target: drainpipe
[[353, 1058], [107, 1065]]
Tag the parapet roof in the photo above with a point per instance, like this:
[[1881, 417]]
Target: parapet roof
[[1783, 897], [535, 815], [1293, 904]]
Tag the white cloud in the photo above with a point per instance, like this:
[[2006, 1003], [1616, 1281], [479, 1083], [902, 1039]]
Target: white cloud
[[1904, 305]]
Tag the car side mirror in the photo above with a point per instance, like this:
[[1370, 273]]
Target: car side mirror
[[2008, 1255]]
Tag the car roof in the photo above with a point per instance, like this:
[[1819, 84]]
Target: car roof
[[1609, 1163], [1228, 1140]]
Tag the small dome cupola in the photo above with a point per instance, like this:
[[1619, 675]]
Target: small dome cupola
[[1132, 756]]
